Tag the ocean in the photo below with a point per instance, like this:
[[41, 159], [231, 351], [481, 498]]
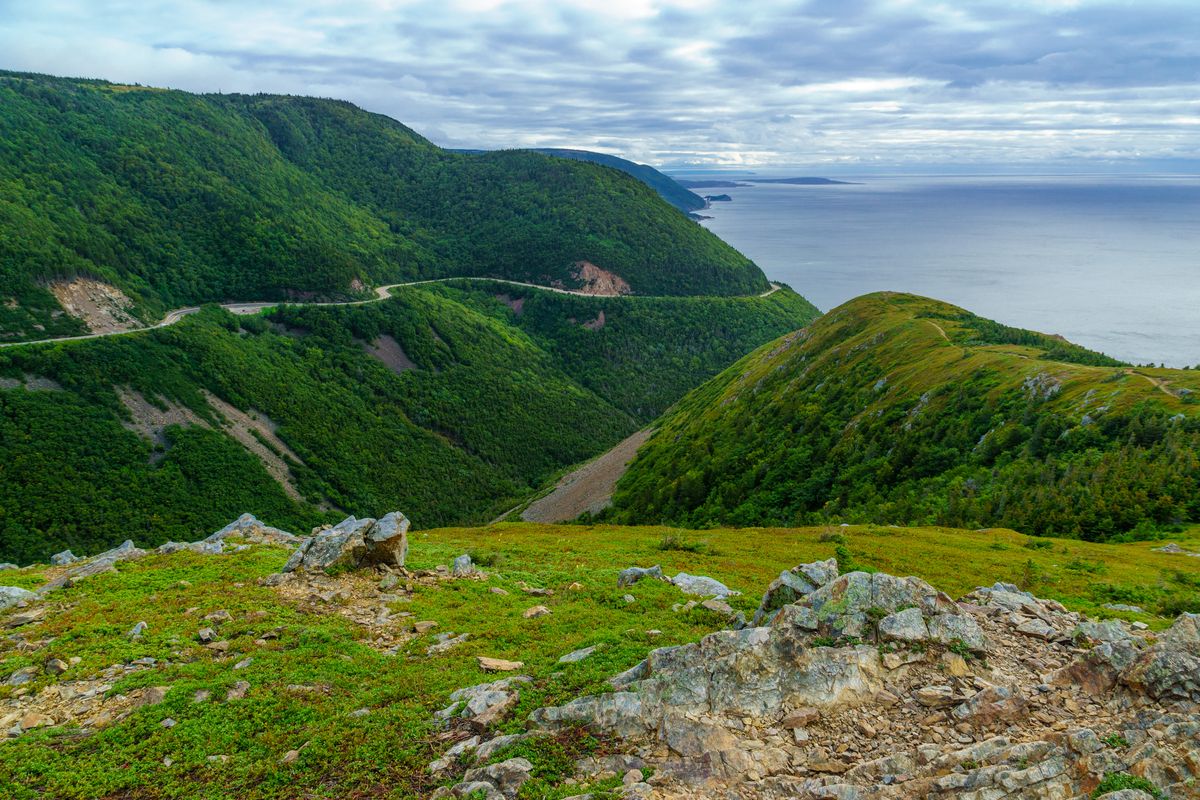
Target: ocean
[[1111, 263]]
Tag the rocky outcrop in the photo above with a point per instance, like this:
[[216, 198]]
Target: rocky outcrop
[[872, 686], [354, 543]]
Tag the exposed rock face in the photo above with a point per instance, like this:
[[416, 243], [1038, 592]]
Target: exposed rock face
[[63, 558], [249, 528], [354, 543], [773, 712]]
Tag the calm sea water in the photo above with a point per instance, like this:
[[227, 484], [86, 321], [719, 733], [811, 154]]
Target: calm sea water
[[1110, 263]]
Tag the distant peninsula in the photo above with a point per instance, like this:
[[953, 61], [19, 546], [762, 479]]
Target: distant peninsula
[[745, 182]]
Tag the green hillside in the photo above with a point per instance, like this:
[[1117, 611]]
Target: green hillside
[[320, 665], [466, 409], [898, 409], [178, 199]]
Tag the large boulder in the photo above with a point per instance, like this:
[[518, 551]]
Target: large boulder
[[1169, 670], [63, 559], [354, 543], [846, 605]]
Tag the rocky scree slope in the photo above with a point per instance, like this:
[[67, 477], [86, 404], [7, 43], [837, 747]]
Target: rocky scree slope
[[871, 686], [899, 409]]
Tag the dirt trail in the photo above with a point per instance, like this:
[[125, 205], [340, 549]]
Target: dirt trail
[[1161, 385], [588, 488]]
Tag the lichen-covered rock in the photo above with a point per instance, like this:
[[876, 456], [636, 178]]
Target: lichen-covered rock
[[951, 628], [388, 539], [793, 584], [11, 595], [462, 566], [63, 558], [904, 626], [632, 575]]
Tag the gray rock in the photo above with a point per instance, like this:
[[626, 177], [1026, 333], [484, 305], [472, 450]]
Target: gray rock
[[632, 575], [126, 551], [1038, 629], [249, 528], [949, 628], [577, 655], [702, 585], [6, 566], [793, 584], [1126, 794], [1106, 631], [904, 626], [11, 595], [22, 676], [462, 566], [354, 543], [137, 630], [388, 539], [64, 558], [507, 777]]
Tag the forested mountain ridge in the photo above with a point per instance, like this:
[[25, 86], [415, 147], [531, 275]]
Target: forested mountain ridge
[[177, 199], [452, 401], [896, 409], [667, 187]]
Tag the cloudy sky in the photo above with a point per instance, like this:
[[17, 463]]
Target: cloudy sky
[[849, 83]]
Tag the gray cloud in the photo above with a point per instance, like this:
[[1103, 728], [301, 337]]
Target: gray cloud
[[705, 81]]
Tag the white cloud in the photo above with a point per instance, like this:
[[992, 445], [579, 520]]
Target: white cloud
[[821, 81]]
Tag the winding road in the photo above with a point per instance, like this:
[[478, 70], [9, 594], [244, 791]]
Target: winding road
[[381, 293]]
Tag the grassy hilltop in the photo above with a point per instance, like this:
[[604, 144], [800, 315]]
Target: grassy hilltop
[[899, 409], [302, 687]]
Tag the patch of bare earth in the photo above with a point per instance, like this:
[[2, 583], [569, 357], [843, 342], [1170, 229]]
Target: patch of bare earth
[[516, 304], [599, 281], [151, 422], [101, 307], [589, 488], [389, 351]]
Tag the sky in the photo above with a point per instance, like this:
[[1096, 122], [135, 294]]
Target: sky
[[839, 84]]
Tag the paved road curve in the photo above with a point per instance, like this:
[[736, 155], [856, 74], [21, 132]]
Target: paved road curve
[[381, 293]]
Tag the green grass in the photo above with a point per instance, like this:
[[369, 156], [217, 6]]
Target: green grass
[[384, 754]]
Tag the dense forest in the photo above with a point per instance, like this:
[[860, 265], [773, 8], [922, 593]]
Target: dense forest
[[897, 409], [475, 407], [179, 199]]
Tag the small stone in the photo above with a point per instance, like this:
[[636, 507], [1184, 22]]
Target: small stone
[[575, 587], [577, 655], [629, 598], [218, 616], [389, 582], [206, 635], [167, 723], [866, 729], [359, 713], [289, 757], [220, 647], [245, 662], [463, 566], [238, 691], [56, 666], [536, 611], [631, 777], [499, 591], [498, 664], [800, 718], [424, 626], [137, 630], [153, 695], [201, 696]]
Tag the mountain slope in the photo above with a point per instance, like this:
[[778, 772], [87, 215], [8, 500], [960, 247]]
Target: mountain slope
[[177, 199], [435, 400], [898, 409], [669, 189]]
